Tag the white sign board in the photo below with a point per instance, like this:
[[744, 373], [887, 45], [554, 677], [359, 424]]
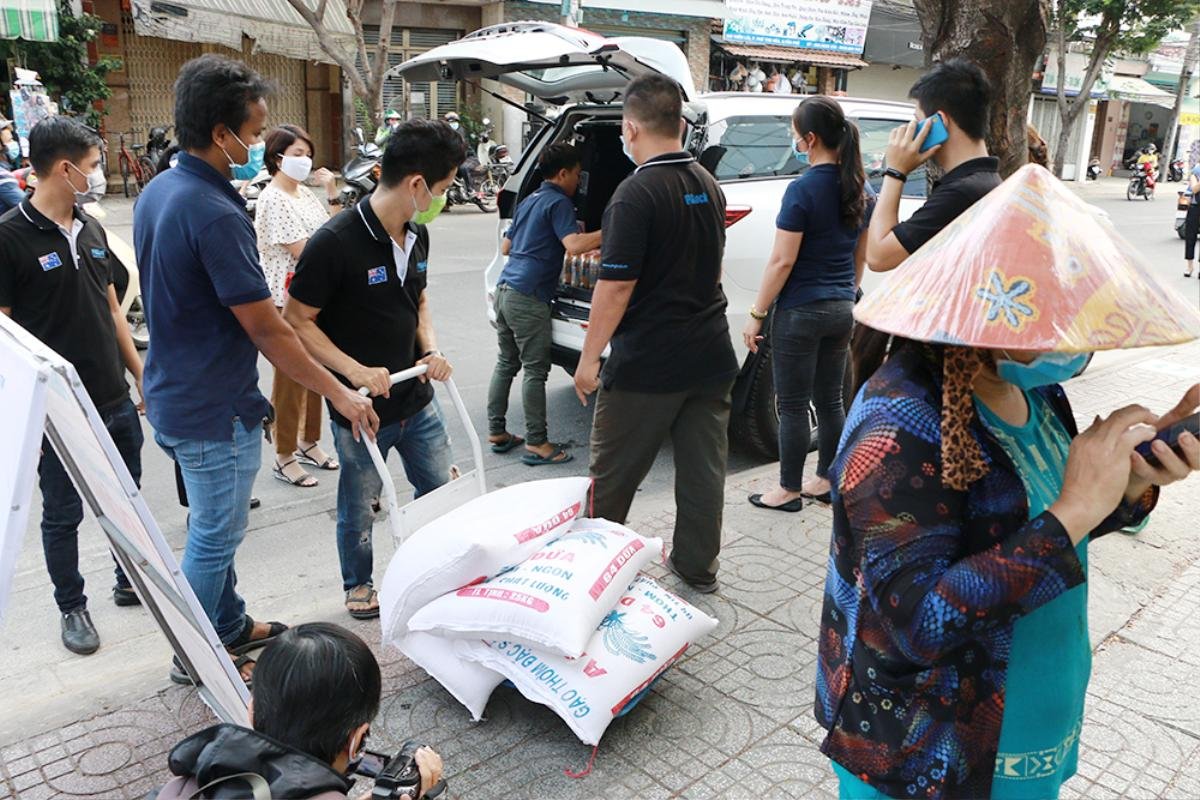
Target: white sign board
[[42, 393], [836, 25]]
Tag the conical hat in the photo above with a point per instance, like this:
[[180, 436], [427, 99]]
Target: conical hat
[[1030, 267]]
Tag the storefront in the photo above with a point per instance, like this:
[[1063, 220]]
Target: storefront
[[762, 68], [894, 52]]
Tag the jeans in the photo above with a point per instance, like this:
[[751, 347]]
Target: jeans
[[628, 431], [62, 509], [424, 449], [218, 476], [809, 348], [523, 327]]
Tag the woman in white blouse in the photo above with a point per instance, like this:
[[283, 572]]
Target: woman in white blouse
[[287, 214]]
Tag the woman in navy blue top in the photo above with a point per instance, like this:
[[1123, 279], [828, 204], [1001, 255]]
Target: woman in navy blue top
[[814, 272]]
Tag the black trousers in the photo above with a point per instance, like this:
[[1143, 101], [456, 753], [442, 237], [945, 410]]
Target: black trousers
[[1190, 228]]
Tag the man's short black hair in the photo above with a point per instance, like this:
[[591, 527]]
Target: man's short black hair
[[211, 90], [58, 137], [959, 88], [313, 686], [654, 101], [557, 157], [426, 147]]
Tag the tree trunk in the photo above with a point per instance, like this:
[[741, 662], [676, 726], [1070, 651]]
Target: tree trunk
[[1005, 38], [1185, 79]]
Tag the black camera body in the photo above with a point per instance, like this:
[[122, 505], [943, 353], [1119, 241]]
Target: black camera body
[[399, 775]]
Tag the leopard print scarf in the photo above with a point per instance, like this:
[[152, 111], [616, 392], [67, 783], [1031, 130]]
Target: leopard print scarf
[[962, 458]]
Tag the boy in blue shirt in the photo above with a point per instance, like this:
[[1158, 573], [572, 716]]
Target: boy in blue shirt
[[543, 231]]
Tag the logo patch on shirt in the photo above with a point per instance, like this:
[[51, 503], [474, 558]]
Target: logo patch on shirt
[[377, 275], [99, 252], [696, 199], [422, 266], [50, 261]]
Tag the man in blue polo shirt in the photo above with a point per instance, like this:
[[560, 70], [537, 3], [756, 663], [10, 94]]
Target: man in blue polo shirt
[[543, 230], [210, 313]]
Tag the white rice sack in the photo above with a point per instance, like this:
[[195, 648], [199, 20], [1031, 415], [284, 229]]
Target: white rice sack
[[637, 641], [554, 599], [471, 683], [474, 541]]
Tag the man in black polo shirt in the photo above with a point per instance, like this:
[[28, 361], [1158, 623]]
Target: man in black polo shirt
[[958, 92], [659, 300], [56, 281], [358, 302]]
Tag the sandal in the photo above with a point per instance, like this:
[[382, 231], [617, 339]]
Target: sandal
[[180, 675], [302, 454], [508, 445], [245, 641], [305, 482], [534, 460], [366, 598]]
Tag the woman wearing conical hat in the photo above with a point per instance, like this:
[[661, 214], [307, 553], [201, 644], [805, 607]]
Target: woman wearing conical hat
[[954, 652]]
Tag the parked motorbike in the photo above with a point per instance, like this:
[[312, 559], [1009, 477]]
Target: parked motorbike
[[360, 175], [1141, 182], [1094, 170], [1175, 170], [158, 143], [252, 188]]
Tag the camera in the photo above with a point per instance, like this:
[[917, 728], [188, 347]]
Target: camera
[[397, 776]]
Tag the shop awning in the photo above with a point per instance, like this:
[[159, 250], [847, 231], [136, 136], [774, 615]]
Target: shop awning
[[274, 25], [791, 55], [32, 20], [1136, 90]]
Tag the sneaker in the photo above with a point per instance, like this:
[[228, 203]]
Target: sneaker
[[703, 587], [78, 633], [125, 596]]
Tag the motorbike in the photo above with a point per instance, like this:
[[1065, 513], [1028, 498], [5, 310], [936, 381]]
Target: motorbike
[[1175, 170], [1094, 170], [1141, 182], [252, 188], [360, 175], [125, 279], [457, 195], [157, 144]]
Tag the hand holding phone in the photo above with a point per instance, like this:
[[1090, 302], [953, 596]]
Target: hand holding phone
[[937, 132], [1170, 436]]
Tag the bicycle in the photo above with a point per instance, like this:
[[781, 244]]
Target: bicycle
[[136, 165]]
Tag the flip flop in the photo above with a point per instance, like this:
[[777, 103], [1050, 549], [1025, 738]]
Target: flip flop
[[330, 463], [790, 507], [244, 643], [371, 597], [534, 460], [508, 445], [180, 675]]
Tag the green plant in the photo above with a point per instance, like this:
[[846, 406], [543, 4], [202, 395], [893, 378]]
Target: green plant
[[63, 65]]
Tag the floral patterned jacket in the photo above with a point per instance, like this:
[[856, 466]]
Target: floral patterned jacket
[[924, 586]]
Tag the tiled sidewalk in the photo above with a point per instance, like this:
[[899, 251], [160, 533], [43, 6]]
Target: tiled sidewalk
[[734, 718]]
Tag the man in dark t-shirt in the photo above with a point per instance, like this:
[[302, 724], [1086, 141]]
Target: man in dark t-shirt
[[659, 300], [957, 91], [358, 302]]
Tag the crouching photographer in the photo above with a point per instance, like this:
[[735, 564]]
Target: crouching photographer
[[316, 691]]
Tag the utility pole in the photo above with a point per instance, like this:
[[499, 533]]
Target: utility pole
[[1190, 58]]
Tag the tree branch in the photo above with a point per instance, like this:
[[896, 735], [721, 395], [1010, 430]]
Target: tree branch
[[328, 44], [354, 14]]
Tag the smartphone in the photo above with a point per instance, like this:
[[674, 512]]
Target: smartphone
[[1171, 437], [937, 132]]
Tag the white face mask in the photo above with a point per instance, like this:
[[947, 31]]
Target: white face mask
[[298, 168], [97, 185]]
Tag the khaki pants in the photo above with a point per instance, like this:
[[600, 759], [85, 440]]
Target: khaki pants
[[294, 405], [628, 431]]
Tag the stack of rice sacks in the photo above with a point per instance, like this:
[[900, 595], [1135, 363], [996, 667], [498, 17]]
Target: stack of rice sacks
[[519, 584]]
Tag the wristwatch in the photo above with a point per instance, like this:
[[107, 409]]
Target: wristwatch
[[892, 172]]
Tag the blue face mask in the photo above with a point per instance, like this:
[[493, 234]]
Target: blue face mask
[[1045, 370], [13, 150], [254, 160], [625, 148], [801, 155]]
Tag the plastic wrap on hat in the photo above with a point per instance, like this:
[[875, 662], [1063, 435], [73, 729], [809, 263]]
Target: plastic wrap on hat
[[1030, 267]]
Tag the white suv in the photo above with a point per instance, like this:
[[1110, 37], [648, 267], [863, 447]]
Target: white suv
[[743, 139]]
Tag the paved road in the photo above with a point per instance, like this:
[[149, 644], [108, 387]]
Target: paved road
[[304, 584]]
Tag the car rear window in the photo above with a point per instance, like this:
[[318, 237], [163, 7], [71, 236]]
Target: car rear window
[[741, 148]]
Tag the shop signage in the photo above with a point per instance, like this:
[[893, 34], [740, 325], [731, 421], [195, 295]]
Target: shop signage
[[837, 25]]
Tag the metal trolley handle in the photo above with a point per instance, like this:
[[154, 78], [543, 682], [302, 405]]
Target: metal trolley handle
[[389, 486]]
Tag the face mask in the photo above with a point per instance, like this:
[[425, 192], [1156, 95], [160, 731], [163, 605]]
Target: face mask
[[436, 203], [13, 150], [297, 168], [801, 155], [254, 160], [1046, 369], [625, 148], [96, 185]]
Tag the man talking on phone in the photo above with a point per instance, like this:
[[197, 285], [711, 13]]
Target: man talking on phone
[[954, 96]]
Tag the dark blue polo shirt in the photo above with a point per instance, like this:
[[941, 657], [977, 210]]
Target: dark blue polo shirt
[[536, 258], [198, 257]]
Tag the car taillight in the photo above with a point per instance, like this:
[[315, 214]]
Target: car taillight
[[735, 213]]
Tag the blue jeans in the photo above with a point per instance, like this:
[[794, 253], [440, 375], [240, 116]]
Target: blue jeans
[[219, 477], [62, 510], [809, 348], [424, 449]]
